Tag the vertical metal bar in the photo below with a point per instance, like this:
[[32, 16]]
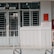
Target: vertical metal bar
[[18, 25], [22, 18], [29, 18], [19, 5], [7, 25], [39, 17], [2, 33], [19, 29], [32, 18]]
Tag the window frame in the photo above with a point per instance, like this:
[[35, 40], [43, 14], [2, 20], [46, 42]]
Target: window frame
[[28, 5], [30, 17]]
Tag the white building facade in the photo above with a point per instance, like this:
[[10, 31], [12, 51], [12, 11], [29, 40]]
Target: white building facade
[[24, 27]]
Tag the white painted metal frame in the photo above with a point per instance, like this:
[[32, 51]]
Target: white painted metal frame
[[7, 17], [7, 27], [30, 16]]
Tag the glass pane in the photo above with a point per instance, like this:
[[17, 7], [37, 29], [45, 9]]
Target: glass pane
[[9, 5], [23, 6], [13, 24], [33, 5], [13, 5], [2, 4]]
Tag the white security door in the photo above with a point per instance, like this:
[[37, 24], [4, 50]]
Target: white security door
[[9, 28], [9, 24], [3, 29], [13, 28]]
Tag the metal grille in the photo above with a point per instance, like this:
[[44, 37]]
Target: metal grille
[[35, 18], [26, 18], [13, 25], [2, 24], [29, 18]]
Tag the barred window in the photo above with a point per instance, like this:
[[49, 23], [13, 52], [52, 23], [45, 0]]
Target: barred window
[[29, 18], [26, 18], [35, 18], [29, 13]]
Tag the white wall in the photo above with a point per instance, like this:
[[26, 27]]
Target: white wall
[[35, 37], [45, 8], [39, 36], [30, 37], [46, 26]]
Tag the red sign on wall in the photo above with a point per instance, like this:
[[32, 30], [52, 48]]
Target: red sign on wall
[[45, 17]]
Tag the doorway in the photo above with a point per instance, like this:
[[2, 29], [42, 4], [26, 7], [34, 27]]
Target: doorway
[[9, 28]]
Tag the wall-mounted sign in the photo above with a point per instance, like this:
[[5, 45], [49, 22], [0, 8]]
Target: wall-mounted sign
[[46, 17]]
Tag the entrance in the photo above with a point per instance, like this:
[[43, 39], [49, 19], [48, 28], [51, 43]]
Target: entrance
[[9, 28]]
